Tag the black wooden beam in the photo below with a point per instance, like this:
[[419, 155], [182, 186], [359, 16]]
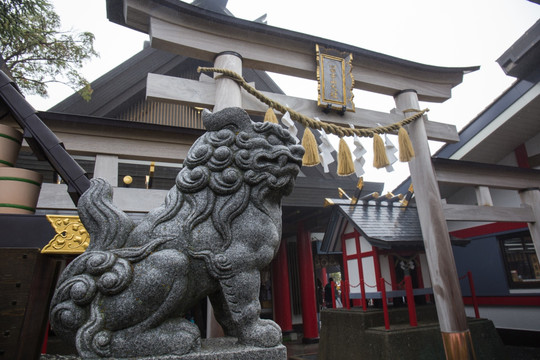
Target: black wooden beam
[[42, 140]]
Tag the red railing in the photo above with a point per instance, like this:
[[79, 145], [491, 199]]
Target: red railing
[[473, 293], [363, 292]]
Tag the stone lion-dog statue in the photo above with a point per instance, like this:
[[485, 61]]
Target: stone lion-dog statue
[[128, 294]]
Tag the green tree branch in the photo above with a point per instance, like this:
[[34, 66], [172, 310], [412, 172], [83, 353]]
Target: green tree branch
[[34, 52]]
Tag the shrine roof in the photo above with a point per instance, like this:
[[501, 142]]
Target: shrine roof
[[125, 85], [121, 85], [386, 227], [313, 186]]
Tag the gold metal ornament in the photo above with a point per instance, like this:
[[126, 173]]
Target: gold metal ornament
[[71, 236]]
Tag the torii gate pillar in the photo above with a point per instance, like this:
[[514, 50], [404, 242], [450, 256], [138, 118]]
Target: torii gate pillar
[[228, 94], [442, 267]]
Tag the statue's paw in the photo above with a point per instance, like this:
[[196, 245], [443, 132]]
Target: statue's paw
[[188, 338], [173, 337], [263, 333]]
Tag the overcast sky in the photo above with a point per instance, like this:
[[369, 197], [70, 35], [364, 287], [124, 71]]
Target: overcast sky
[[435, 32]]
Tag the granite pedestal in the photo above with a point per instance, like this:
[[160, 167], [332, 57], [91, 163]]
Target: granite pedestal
[[211, 349]]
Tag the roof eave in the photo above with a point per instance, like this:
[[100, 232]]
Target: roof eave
[[523, 56]]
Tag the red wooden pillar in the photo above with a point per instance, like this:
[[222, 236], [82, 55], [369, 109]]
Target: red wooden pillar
[[324, 277], [307, 286], [410, 300], [280, 286], [522, 157]]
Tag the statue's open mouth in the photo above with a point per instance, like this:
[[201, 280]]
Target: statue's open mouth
[[279, 159], [280, 166]]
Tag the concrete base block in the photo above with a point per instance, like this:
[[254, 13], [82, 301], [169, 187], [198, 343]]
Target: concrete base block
[[361, 335], [211, 349]]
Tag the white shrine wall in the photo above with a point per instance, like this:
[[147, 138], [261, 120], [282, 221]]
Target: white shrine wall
[[354, 276], [370, 280], [367, 263], [365, 246], [385, 271]]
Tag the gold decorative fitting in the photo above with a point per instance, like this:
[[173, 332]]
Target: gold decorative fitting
[[335, 81], [342, 193], [71, 236]]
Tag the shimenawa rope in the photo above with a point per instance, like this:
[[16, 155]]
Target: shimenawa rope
[[344, 157]]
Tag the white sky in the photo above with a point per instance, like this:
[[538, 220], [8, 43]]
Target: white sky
[[435, 32]]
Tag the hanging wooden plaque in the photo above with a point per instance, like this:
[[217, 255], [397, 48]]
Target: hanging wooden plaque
[[335, 79]]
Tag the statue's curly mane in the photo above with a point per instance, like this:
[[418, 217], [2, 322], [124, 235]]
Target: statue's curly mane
[[227, 169]]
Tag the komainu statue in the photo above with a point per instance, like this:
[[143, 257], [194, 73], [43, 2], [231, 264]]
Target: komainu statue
[[128, 294]]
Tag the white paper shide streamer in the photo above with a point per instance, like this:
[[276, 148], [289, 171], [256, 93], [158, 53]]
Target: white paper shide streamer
[[290, 125], [359, 152], [390, 153], [326, 150]]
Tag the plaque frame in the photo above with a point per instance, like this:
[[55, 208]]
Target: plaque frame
[[335, 80]]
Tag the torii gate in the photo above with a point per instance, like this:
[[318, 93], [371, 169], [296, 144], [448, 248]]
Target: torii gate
[[232, 43]]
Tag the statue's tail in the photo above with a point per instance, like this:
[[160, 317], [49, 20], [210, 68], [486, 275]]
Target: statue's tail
[[108, 226], [75, 306]]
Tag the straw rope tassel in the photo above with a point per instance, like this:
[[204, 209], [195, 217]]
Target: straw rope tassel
[[345, 163], [380, 159], [311, 156], [270, 116], [406, 151]]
